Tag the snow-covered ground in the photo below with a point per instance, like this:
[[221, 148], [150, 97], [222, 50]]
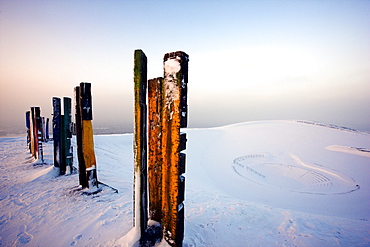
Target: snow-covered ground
[[270, 183]]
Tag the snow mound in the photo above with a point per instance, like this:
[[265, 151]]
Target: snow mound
[[44, 174]]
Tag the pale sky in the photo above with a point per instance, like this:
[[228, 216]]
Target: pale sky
[[249, 60]]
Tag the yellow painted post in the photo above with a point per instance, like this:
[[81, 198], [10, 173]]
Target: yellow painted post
[[88, 136], [155, 149], [174, 116], [140, 143]]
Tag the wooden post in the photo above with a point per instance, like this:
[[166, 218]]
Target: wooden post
[[47, 129], [67, 135], [155, 148], [33, 131], [81, 163], [140, 143], [56, 131], [174, 116], [28, 126], [87, 136], [39, 135]]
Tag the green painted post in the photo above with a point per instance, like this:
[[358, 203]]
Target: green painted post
[[140, 143], [57, 143]]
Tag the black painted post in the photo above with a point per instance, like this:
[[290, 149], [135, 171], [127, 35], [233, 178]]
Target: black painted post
[[39, 135], [28, 126], [33, 131], [47, 129], [67, 135], [81, 162]]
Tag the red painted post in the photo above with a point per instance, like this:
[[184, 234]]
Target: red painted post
[[155, 148]]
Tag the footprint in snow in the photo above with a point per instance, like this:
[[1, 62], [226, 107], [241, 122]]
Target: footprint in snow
[[23, 237], [74, 242]]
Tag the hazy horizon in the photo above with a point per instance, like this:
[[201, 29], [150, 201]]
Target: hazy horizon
[[249, 60]]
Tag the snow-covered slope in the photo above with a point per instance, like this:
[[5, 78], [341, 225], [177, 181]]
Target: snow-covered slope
[[271, 183]]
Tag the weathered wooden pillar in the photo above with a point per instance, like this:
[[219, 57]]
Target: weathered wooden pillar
[[174, 116], [81, 162], [155, 148], [63, 140], [56, 131], [33, 133], [87, 136], [47, 129], [28, 126], [67, 156], [39, 135], [140, 143]]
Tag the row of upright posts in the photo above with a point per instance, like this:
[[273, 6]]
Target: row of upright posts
[[158, 162], [160, 112], [63, 128], [37, 132]]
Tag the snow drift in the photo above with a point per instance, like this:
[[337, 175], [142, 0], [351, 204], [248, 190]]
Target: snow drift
[[270, 183]]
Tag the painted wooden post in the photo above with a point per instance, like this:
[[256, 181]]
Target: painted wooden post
[[140, 143], [56, 131], [81, 162], [39, 135], [155, 148], [33, 131], [47, 129], [174, 116], [43, 129], [87, 136], [28, 126], [67, 135], [63, 138]]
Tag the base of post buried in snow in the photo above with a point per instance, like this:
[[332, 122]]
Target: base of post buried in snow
[[152, 237], [92, 180], [90, 192]]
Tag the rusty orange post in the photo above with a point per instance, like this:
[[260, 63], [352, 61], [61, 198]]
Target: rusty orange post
[[174, 116], [140, 143], [155, 149]]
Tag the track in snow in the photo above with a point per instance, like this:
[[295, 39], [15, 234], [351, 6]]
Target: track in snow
[[296, 176]]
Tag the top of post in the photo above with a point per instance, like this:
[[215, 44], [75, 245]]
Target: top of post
[[140, 55], [177, 54]]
